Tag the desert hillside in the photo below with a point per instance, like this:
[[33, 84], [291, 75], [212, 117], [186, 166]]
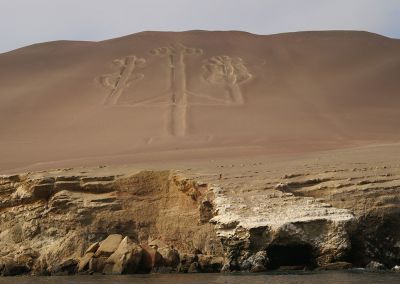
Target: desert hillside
[[159, 94], [200, 152]]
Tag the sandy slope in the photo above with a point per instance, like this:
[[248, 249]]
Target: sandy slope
[[153, 95]]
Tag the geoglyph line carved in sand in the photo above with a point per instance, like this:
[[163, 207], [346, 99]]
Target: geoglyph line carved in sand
[[229, 72], [177, 90], [122, 79]]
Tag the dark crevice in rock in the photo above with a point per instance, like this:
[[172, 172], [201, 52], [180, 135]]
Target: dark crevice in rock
[[290, 255]]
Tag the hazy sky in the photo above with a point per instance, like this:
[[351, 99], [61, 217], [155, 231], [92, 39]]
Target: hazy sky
[[24, 22]]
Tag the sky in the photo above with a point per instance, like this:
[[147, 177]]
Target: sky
[[24, 22]]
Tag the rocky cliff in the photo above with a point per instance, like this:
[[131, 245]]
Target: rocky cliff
[[247, 217], [51, 218]]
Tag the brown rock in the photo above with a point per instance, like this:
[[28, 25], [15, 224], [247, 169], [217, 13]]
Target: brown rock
[[126, 259], [42, 191], [84, 261], [97, 264], [336, 266], [151, 259], [93, 247], [256, 262], [209, 263], [67, 267], [206, 211], [109, 245], [186, 261], [55, 227], [170, 256], [194, 267]]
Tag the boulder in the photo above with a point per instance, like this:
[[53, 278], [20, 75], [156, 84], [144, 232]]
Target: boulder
[[84, 261], [256, 262], [375, 266], [209, 263], [194, 267], [186, 261], [151, 259], [67, 267], [93, 247], [126, 258], [97, 264], [109, 245], [170, 256], [396, 268]]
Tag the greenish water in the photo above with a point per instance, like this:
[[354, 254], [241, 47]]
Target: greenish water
[[295, 277]]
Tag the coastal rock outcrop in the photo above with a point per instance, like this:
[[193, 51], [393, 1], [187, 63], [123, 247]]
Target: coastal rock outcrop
[[288, 229], [72, 221], [63, 223]]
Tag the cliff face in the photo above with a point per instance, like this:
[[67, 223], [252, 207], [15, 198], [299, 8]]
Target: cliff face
[[373, 195], [249, 217], [48, 218], [349, 214]]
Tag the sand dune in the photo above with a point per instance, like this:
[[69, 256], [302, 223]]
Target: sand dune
[[159, 95]]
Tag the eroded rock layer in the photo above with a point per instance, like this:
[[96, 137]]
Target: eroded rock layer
[[108, 221], [49, 218]]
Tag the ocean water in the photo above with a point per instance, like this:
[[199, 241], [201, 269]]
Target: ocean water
[[292, 277]]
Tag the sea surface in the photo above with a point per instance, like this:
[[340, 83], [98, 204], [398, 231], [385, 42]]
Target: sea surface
[[292, 277]]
